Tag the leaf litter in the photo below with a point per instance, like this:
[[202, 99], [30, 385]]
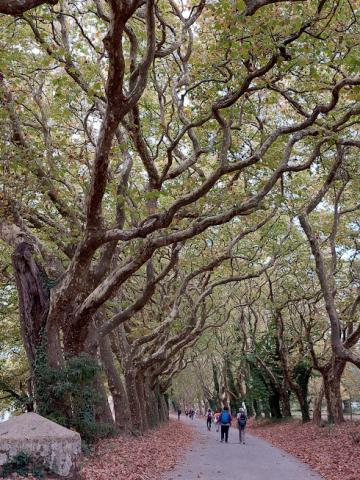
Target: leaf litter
[[141, 458], [334, 452]]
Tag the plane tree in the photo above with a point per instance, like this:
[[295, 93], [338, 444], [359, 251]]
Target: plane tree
[[130, 129]]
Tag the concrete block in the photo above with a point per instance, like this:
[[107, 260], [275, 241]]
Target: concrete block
[[56, 447]]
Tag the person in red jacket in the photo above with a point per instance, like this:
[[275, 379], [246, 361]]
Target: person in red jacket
[[225, 422], [216, 419]]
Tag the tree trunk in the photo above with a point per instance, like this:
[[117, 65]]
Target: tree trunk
[[152, 410], [134, 404], [34, 299], [300, 388], [55, 353], [304, 407], [285, 402], [140, 383], [42, 343], [302, 372], [317, 406], [298, 378], [30, 395], [279, 389], [274, 403], [332, 378], [164, 408], [115, 384], [102, 408], [256, 408]]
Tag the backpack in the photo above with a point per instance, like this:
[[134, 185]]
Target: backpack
[[209, 416], [225, 417], [242, 420]]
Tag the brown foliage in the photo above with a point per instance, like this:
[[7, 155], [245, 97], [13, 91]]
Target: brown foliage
[[143, 458], [330, 451]]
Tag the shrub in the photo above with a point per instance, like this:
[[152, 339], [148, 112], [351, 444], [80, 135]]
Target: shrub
[[22, 464], [68, 396]]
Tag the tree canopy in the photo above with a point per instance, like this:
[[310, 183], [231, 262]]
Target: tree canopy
[[177, 175]]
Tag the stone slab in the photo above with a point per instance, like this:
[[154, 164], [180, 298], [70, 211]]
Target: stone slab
[[58, 448]]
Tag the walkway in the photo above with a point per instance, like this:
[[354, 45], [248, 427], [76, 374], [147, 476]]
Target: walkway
[[208, 459]]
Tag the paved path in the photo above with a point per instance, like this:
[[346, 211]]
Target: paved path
[[208, 459]]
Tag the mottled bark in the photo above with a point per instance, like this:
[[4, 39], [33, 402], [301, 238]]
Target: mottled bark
[[252, 6], [34, 299], [152, 409], [285, 402], [17, 7], [140, 388], [116, 387], [317, 407], [134, 404], [332, 379], [163, 409], [304, 407], [102, 408]]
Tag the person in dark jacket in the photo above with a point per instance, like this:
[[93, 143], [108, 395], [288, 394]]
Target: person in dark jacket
[[241, 418], [225, 422], [209, 419]]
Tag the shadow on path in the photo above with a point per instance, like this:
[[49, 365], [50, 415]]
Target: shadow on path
[[208, 459]]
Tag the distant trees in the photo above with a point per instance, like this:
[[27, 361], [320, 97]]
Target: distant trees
[[279, 336]]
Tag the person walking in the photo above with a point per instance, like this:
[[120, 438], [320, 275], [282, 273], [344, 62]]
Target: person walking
[[241, 419], [225, 422], [209, 417], [179, 413], [216, 419]]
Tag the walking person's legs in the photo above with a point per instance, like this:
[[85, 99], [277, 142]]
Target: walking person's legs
[[226, 427], [240, 437], [222, 432], [243, 435]]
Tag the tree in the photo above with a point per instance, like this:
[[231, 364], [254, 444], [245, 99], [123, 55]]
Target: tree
[[135, 132], [343, 337]]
